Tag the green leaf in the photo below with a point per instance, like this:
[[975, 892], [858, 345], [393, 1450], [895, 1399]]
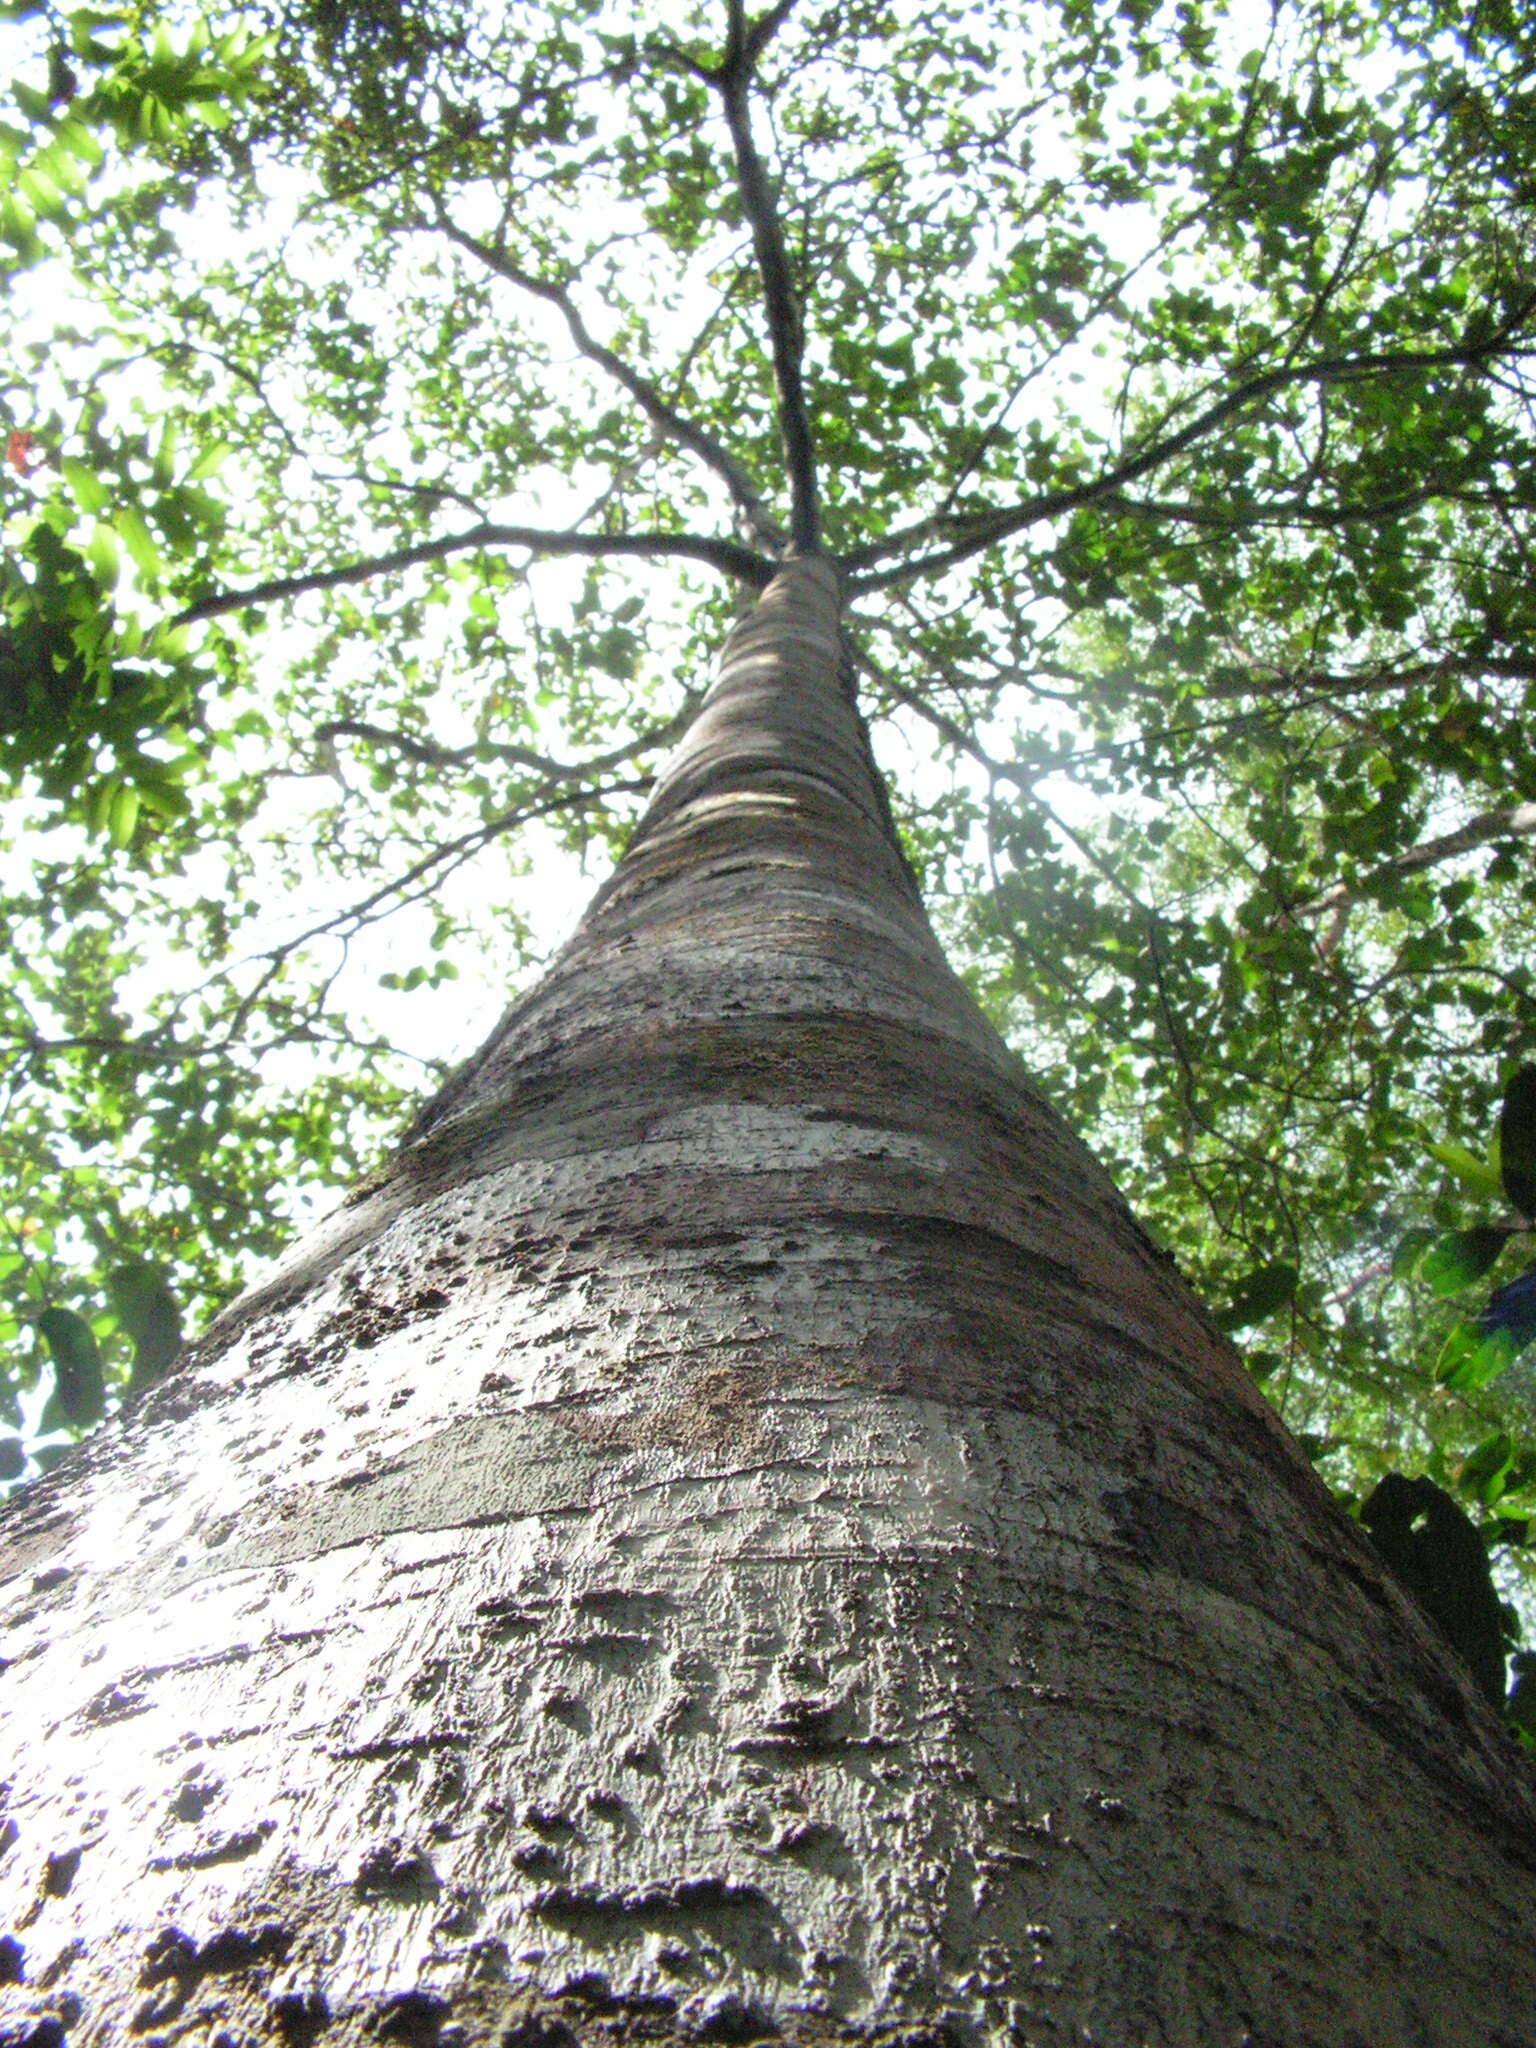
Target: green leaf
[[81, 143], [1474, 1173], [210, 462], [78, 1384], [148, 1314], [13, 1457], [164, 463], [129, 524], [101, 551], [1459, 1257], [18, 224], [91, 494], [1483, 1472], [1517, 1141], [1410, 1248], [34, 104], [162, 796], [1259, 1294], [44, 194], [1472, 1357], [122, 815], [1436, 1552]]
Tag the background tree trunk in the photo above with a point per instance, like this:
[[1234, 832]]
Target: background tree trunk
[[735, 1530]]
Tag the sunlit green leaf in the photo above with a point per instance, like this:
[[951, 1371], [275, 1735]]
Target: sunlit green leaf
[[91, 494], [1456, 1259], [1485, 1470], [210, 461], [131, 529], [122, 815], [1471, 1357], [1473, 1173]]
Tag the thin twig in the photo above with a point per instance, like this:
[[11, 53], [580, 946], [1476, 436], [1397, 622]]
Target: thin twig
[[686, 433], [444, 857]]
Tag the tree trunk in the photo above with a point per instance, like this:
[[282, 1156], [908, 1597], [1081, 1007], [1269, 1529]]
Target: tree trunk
[[738, 1531]]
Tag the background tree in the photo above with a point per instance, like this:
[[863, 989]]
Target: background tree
[[412, 437]]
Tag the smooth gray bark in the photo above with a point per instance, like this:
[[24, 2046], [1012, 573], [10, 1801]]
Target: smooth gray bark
[[738, 1530]]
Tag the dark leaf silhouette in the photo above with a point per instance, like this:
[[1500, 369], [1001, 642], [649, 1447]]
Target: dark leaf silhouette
[[1436, 1552]]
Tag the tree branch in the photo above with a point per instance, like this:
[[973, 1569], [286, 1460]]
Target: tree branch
[[431, 755], [1328, 686], [786, 332], [1297, 513], [442, 859], [760, 33], [726, 555], [1177, 226], [32, 1044], [760, 524], [1512, 821], [1024, 781], [987, 528]]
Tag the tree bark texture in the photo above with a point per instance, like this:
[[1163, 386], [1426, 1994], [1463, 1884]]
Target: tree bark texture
[[737, 1532]]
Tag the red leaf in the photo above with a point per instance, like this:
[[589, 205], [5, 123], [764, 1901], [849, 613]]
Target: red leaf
[[22, 451]]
